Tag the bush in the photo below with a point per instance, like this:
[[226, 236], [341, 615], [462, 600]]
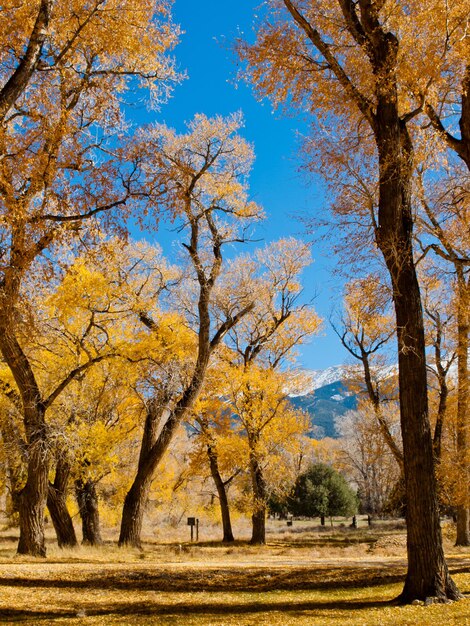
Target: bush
[[322, 491]]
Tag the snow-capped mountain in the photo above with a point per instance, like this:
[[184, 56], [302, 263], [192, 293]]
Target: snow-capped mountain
[[325, 404], [306, 381], [325, 395]]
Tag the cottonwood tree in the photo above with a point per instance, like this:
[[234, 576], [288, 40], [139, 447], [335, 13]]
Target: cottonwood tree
[[218, 444], [262, 343], [200, 178], [87, 318], [442, 93], [64, 75], [352, 62]]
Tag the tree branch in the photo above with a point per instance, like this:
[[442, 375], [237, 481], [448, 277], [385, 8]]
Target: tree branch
[[20, 78]]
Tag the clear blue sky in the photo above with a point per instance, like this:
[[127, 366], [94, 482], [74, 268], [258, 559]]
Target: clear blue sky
[[204, 53]]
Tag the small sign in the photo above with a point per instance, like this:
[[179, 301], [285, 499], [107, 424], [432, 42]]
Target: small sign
[[191, 521]]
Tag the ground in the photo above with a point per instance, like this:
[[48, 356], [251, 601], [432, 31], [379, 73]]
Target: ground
[[305, 575]]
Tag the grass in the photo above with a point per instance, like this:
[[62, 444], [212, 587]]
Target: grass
[[301, 578]]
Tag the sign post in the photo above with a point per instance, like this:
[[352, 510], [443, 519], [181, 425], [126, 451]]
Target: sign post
[[192, 522]]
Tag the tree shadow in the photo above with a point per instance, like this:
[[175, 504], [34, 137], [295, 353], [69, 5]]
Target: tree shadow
[[185, 609], [220, 580]]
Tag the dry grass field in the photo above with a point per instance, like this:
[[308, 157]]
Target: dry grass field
[[304, 576]]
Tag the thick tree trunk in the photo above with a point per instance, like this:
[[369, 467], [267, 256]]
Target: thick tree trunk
[[427, 574], [150, 454], [134, 508], [33, 496], [463, 514], [258, 518], [32, 504], [57, 506], [222, 492], [87, 499]]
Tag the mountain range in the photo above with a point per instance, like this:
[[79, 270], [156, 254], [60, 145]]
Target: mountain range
[[325, 396]]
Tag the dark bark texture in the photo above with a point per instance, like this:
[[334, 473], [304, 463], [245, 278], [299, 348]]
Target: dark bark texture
[[32, 504], [463, 438], [87, 500], [57, 506], [150, 454]]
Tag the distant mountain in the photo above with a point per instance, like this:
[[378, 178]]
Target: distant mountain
[[307, 381], [325, 398], [324, 394]]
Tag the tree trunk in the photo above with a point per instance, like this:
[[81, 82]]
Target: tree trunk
[[258, 518], [134, 508], [87, 499], [150, 454], [463, 514], [32, 504], [33, 496], [57, 506], [427, 574], [221, 490]]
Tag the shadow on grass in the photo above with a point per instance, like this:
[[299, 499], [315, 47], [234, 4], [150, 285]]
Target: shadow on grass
[[220, 580], [185, 609]]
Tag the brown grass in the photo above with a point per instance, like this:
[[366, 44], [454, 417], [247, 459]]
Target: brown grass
[[302, 577]]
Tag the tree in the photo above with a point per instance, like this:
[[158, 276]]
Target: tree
[[203, 175], [220, 442], [446, 102], [293, 59], [321, 491], [262, 343], [366, 327], [366, 458], [63, 166], [440, 322]]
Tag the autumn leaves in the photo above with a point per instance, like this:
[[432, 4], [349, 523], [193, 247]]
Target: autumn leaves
[[103, 339]]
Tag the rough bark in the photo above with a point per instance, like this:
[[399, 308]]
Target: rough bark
[[427, 570], [57, 506], [135, 504], [87, 500], [222, 493], [32, 504], [32, 498], [136, 498]]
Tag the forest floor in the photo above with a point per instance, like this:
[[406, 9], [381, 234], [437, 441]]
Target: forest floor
[[305, 575]]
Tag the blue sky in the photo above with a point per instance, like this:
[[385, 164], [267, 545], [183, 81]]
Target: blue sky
[[205, 54]]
